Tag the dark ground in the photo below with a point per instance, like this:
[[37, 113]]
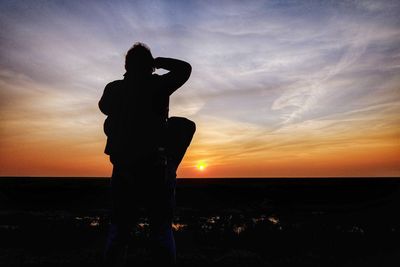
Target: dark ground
[[218, 222]]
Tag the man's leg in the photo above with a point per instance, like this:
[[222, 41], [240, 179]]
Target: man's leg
[[161, 211], [116, 249], [162, 242], [123, 216]]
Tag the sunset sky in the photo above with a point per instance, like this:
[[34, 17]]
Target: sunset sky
[[278, 89]]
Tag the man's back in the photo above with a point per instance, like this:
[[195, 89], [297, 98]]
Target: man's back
[[137, 113], [137, 109]]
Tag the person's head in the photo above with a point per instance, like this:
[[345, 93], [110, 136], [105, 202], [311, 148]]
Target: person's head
[[139, 59]]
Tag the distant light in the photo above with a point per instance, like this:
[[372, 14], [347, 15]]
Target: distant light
[[201, 166]]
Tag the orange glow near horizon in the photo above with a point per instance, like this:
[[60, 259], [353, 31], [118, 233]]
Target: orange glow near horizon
[[355, 158]]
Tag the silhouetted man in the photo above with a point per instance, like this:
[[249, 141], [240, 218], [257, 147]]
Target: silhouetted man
[[145, 148]]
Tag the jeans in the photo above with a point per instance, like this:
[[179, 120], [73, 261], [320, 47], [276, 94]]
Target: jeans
[[150, 185]]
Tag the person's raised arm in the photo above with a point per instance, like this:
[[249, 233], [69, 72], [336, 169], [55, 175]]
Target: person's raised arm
[[179, 72]]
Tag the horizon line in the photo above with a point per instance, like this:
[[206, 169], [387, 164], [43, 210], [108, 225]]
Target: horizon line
[[198, 178]]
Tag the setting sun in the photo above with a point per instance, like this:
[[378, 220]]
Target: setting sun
[[201, 166]]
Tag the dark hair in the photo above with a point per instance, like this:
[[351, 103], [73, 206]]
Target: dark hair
[[139, 59]]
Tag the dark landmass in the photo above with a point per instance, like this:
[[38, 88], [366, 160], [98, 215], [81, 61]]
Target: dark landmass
[[218, 222]]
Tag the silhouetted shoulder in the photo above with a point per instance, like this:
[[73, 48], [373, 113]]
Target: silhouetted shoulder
[[114, 84], [107, 101]]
